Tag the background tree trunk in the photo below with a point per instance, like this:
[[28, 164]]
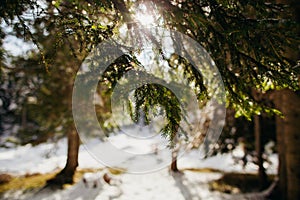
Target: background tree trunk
[[72, 160], [259, 147], [67, 173], [175, 152], [288, 134], [291, 110], [174, 167], [259, 151], [289, 144], [280, 148]]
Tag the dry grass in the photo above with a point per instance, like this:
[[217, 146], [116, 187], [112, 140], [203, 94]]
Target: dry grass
[[203, 170], [117, 171], [26, 182], [237, 183], [36, 181]]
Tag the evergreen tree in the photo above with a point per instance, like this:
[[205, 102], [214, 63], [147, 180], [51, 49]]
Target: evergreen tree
[[248, 40]]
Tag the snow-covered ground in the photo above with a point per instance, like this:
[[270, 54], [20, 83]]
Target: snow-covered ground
[[50, 156], [153, 186], [158, 184]]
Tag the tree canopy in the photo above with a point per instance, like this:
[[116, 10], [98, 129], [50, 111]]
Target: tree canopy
[[247, 40]]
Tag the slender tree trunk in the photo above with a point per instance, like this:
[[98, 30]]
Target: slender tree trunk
[[24, 118], [174, 167], [259, 148], [259, 151], [281, 149], [72, 159], [67, 173], [175, 152]]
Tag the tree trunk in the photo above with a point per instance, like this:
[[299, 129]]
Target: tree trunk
[[291, 110], [72, 160], [67, 173], [281, 149], [288, 102], [175, 152], [259, 151], [24, 118], [289, 169], [259, 148], [174, 167]]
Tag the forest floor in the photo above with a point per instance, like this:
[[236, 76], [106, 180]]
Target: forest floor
[[29, 166]]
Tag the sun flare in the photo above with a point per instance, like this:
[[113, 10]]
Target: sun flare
[[144, 19], [143, 16]]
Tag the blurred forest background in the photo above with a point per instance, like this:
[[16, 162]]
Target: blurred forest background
[[255, 46]]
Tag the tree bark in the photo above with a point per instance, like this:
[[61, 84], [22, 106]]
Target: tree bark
[[259, 148], [67, 173], [175, 152], [281, 149], [24, 118], [289, 145], [291, 110], [259, 151], [174, 167], [288, 102]]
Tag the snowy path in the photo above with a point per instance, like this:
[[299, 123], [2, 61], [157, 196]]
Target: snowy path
[[154, 186], [48, 157], [157, 185]]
